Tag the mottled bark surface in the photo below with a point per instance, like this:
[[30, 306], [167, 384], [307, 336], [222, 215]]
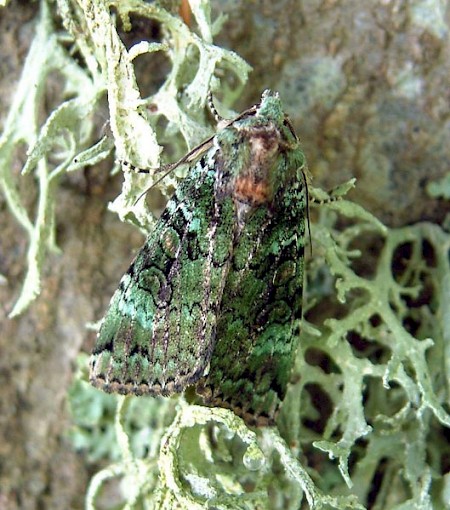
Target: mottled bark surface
[[366, 84]]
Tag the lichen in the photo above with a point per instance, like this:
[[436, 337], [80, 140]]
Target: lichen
[[67, 128], [364, 422], [379, 364], [65, 135]]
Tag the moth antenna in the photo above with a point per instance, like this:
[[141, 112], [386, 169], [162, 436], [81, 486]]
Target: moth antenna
[[213, 109], [167, 169], [195, 153], [134, 168], [163, 176]]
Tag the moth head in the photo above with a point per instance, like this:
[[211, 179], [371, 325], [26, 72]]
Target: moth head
[[270, 107]]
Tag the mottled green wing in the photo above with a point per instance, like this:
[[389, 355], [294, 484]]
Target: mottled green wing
[[259, 320], [158, 333]]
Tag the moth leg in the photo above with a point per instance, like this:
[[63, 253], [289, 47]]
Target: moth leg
[[139, 170], [212, 108]]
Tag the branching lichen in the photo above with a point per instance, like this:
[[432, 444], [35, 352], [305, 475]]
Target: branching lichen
[[366, 419], [108, 68], [67, 128], [368, 400], [377, 368], [131, 124]]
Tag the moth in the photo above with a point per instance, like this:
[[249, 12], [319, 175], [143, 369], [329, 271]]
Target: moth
[[214, 297]]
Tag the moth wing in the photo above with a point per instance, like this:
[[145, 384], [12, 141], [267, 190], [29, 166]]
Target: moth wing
[[159, 331], [260, 314]]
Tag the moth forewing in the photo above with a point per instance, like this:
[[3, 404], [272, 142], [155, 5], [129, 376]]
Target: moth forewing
[[167, 298]]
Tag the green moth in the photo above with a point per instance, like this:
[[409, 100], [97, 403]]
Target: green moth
[[214, 297]]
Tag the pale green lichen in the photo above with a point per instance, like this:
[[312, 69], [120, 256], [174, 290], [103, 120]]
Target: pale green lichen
[[370, 390], [440, 188], [408, 375], [66, 133], [65, 129]]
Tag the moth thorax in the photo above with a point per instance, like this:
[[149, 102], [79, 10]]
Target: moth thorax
[[250, 191], [254, 184]]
